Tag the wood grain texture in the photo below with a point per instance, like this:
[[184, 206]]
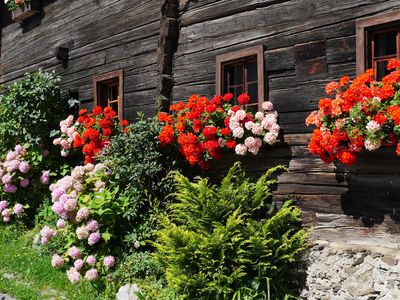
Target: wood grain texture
[[102, 37], [169, 48], [307, 44]]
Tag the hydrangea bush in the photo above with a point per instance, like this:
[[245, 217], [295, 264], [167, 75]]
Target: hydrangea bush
[[204, 129], [22, 181], [90, 133], [81, 239], [361, 114]]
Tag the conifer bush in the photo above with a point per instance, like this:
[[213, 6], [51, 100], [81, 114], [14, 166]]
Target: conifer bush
[[227, 241]]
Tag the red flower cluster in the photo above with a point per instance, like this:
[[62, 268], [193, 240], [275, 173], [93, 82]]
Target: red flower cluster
[[202, 129], [94, 131], [361, 114]]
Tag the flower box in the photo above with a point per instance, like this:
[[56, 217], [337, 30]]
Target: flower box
[[26, 10]]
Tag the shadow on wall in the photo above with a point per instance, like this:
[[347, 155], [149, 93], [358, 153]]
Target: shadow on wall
[[373, 187]]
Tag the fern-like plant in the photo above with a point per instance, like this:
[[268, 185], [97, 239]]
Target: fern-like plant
[[227, 241]]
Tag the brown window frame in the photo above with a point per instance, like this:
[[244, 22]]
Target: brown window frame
[[241, 56], [365, 28], [110, 77]]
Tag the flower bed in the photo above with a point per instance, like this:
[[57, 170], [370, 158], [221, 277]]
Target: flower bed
[[203, 129], [90, 133], [363, 114], [87, 214]]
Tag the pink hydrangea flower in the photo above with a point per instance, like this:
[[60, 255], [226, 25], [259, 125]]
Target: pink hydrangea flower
[[91, 274], [7, 178], [13, 165], [24, 182], [73, 275], [24, 167], [18, 209], [58, 208], [6, 212], [93, 238], [6, 219], [91, 260], [11, 156], [92, 225], [74, 252], [78, 264], [109, 261], [61, 223], [82, 233], [19, 149], [45, 177], [57, 261], [10, 188], [70, 204], [46, 232], [82, 214], [88, 167], [3, 205], [57, 193]]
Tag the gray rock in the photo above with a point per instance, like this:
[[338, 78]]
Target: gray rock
[[6, 297], [346, 274], [127, 292], [389, 260]]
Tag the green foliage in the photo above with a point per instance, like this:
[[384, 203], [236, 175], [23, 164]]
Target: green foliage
[[29, 110], [222, 241], [138, 169]]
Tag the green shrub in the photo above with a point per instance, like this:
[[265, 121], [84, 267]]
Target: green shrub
[[228, 241], [29, 110], [138, 168]]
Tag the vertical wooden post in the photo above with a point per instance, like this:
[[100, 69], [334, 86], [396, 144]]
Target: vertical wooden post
[[169, 36]]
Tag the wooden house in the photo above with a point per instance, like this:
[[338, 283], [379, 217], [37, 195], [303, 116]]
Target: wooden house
[[141, 52]]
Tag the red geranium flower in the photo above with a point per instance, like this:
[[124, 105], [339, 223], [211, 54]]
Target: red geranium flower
[[97, 110], [228, 97], [244, 99]]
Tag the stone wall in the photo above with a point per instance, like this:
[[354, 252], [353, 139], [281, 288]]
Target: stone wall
[[342, 271]]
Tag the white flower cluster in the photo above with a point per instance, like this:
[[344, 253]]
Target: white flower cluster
[[264, 127]]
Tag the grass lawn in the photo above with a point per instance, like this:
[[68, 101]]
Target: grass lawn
[[28, 275]]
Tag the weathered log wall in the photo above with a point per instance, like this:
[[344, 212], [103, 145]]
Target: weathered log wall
[[102, 36], [307, 44], [165, 51]]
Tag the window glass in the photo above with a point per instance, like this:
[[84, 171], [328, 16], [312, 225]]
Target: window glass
[[385, 43], [237, 82], [381, 70], [252, 71], [252, 90]]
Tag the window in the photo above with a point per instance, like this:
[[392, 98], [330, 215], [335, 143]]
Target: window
[[378, 40], [108, 91], [242, 72]]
